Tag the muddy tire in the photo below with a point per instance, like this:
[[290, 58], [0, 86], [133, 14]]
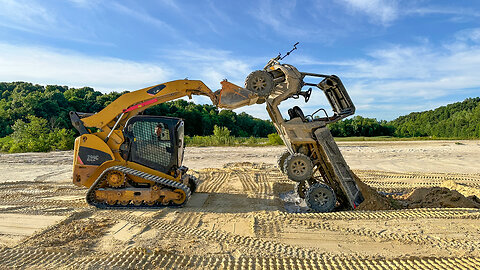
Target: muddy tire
[[298, 167], [281, 160], [320, 198], [301, 188], [260, 82]]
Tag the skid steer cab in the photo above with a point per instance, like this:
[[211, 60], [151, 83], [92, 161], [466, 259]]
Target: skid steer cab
[[154, 142], [146, 170]]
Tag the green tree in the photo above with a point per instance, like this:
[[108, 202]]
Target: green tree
[[36, 136], [31, 136]]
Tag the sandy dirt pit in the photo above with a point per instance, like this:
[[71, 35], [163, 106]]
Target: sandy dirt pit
[[237, 220]]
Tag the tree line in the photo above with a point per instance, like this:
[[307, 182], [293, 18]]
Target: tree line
[[457, 120], [35, 118]]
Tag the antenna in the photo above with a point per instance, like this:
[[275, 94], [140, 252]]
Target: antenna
[[288, 53]]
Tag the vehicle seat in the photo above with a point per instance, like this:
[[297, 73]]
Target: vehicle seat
[[296, 112]]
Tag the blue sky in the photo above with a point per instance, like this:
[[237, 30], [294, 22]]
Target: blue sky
[[394, 57]]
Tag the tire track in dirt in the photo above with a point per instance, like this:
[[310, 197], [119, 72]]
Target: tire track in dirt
[[279, 248], [219, 236], [22, 258], [43, 203], [264, 186], [266, 228], [189, 219], [275, 173], [438, 213], [407, 237], [213, 181], [473, 177], [275, 255], [249, 185], [138, 258], [43, 177], [381, 179]]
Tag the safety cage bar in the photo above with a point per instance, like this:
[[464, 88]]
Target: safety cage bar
[[336, 95]]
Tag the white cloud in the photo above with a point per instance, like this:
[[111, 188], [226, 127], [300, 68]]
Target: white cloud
[[142, 15], [209, 65], [277, 15], [24, 15], [414, 76], [50, 66], [420, 71], [380, 11], [397, 79], [452, 10], [212, 66], [469, 35], [32, 17]]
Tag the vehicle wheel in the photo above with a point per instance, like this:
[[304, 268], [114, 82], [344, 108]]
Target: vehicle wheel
[[182, 198], [137, 202], [260, 82], [124, 203], [298, 167], [301, 188], [281, 160], [320, 198]]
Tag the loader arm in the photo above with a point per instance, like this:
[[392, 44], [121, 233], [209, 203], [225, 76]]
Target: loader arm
[[230, 96], [133, 103]]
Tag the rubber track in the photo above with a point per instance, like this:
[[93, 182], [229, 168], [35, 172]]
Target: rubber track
[[160, 180]]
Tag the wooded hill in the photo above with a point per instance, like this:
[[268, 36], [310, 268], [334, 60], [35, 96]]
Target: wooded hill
[[456, 120], [53, 103], [35, 118]]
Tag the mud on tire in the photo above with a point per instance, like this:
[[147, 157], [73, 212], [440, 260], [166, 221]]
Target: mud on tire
[[260, 82], [298, 167], [320, 198], [301, 188], [281, 160]]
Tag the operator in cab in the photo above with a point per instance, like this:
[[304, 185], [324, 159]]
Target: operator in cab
[[158, 130]]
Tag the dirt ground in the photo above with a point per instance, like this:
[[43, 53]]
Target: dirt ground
[[240, 219]]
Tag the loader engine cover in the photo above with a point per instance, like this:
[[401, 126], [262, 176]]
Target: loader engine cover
[[155, 142]]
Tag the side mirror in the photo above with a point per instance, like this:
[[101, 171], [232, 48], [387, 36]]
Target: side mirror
[[306, 94]]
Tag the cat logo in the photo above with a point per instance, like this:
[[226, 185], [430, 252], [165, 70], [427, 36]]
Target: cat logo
[[92, 158]]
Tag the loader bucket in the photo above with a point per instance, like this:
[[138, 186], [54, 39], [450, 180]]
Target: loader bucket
[[232, 96]]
